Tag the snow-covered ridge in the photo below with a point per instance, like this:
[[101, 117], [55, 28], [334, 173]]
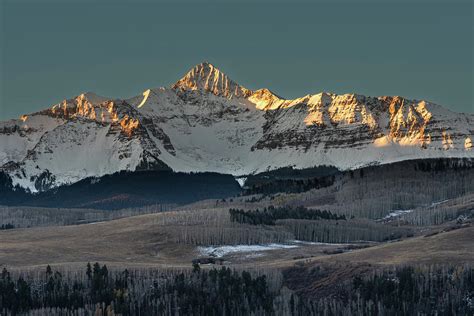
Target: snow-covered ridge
[[208, 122]]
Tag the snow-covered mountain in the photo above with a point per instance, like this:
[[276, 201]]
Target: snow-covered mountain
[[207, 122]]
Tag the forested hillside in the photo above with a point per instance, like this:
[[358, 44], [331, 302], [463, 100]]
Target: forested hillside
[[403, 185], [127, 189]]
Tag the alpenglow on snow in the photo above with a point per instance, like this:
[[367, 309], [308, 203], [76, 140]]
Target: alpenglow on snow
[[207, 122]]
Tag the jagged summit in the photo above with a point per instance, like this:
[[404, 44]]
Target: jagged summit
[[206, 77], [207, 122], [92, 97], [265, 99]]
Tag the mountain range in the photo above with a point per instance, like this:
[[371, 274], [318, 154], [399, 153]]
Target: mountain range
[[206, 122]]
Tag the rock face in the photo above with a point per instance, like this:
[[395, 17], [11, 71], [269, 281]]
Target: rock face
[[207, 122], [207, 78]]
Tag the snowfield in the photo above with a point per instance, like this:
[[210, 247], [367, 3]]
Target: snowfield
[[207, 122]]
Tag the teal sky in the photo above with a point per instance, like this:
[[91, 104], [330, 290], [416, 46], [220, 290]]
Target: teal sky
[[52, 50]]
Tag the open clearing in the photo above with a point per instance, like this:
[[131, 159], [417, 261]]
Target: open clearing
[[142, 241]]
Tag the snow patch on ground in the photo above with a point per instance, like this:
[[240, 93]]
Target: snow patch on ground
[[314, 243], [241, 181], [396, 213], [439, 202], [220, 251]]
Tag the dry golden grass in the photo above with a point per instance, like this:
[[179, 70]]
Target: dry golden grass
[[455, 247], [148, 241]]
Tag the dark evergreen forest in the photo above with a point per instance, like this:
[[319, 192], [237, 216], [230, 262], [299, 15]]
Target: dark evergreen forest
[[448, 290], [126, 189], [270, 214]]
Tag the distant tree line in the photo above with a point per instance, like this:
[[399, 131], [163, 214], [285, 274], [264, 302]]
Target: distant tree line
[[353, 230], [290, 180], [289, 185], [388, 188], [25, 216], [269, 215], [207, 227], [440, 164]]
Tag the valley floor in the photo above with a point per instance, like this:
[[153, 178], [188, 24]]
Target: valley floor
[[143, 241]]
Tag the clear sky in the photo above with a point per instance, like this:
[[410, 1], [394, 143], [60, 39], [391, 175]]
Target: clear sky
[[52, 50]]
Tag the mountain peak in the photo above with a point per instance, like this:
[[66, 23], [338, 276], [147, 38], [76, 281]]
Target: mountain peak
[[92, 97], [207, 77]]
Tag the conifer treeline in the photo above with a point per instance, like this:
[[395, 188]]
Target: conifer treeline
[[269, 215], [319, 226], [290, 185]]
